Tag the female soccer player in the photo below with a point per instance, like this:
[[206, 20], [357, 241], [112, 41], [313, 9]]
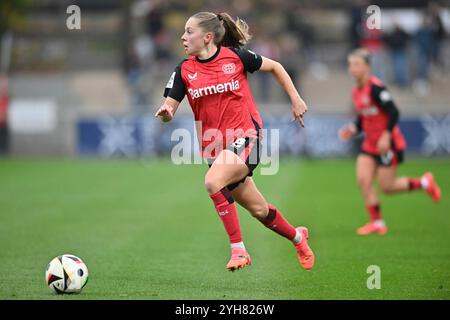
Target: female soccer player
[[383, 145], [214, 77]]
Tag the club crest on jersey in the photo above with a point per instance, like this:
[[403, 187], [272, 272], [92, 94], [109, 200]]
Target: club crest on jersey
[[229, 68], [192, 77]]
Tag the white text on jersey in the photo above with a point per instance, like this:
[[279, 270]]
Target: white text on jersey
[[213, 89]]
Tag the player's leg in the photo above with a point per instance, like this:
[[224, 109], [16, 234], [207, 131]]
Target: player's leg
[[391, 184], [366, 167], [226, 169], [248, 196]]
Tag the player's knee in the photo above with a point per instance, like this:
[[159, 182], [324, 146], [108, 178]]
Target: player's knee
[[212, 185], [259, 211], [387, 188], [364, 184]]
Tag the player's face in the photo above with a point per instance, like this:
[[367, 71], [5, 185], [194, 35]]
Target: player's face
[[193, 37], [357, 67]]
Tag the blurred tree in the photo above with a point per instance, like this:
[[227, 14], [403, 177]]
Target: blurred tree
[[12, 14], [12, 17]]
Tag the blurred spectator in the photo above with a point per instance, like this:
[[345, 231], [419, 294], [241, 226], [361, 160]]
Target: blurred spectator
[[155, 18], [425, 42], [4, 103], [362, 36], [428, 44], [289, 57], [438, 32], [372, 40], [134, 75], [357, 11], [158, 33], [162, 43], [397, 42], [297, 47], [132, 65], [267, 48]]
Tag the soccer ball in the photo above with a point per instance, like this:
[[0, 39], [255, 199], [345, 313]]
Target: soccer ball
[[66, 274]]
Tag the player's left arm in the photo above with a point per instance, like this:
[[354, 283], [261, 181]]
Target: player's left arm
[[299, 106], [384, 99], [253, 62]]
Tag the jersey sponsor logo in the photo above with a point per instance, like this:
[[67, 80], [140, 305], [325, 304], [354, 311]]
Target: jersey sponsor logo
[[169, 84], [229, 68], [370, 111], [214, 89], [365, 100], [192, 77]]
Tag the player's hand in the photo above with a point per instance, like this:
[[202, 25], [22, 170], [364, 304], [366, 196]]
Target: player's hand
[[348, 131], [384, 143], [165, 113], [299, 108]]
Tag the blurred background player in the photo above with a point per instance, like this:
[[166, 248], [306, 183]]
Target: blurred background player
[[215, 79], [383, 145]]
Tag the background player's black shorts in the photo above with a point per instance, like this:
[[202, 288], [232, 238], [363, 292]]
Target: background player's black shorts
[[250, 147], [391, 159]]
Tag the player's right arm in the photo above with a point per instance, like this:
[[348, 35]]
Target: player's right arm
[[167, 110], [351, 129], [174, 92]]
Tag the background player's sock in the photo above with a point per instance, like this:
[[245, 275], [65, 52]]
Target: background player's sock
[[424, 183], [239, 245], [226, 208], [276, 222], [417, 183], [374, 212], [379, 223], [297, 238]]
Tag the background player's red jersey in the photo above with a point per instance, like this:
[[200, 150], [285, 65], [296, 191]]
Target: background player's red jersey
[[376, 113], [219, 95]]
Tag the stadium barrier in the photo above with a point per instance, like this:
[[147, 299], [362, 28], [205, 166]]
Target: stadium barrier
[[134, 136]]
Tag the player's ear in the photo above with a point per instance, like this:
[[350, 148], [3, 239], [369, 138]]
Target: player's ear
[[208, 37]]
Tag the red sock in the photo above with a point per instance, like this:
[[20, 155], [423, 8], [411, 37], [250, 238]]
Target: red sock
[[415, 183], [374, 212], [226, 208], [276, 222]]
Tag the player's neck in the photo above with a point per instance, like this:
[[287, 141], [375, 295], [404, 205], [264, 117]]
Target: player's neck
[[208, 52], [364, 80]]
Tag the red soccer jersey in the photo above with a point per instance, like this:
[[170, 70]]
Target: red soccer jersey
[[371, 102], [4, 101], [219, 95]]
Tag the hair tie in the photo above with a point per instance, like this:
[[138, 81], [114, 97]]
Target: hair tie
[[219, 16]]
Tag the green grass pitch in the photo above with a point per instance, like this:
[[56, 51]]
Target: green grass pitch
[[148, 230]]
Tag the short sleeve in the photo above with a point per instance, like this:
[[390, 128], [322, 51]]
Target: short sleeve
[[175, 86], [381, 95], [384, 99], [251, 61]]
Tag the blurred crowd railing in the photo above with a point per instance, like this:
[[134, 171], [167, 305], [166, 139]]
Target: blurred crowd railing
[[118, 63]]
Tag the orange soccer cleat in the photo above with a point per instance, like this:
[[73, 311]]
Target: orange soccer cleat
[[432, 187], [304, 252], [239, 259], [372, 227]]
